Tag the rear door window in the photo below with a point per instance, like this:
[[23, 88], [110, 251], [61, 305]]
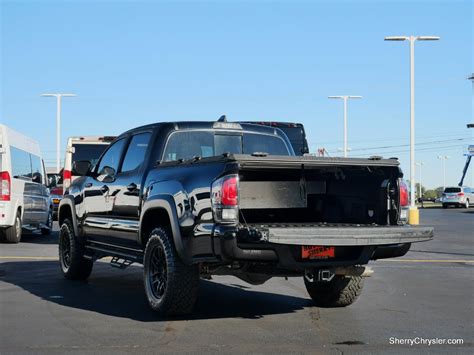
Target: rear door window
[[136, 152]]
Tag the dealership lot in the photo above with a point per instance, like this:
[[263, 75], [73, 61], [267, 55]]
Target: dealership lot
[[426, 294]]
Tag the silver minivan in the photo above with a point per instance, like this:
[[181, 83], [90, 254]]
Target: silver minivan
[[24, 196], [459, 196]]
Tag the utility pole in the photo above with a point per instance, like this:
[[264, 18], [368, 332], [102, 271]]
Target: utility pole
[[58, 126]]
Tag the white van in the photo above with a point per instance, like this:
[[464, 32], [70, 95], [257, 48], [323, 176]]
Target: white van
[[24, 195], [82, 148]]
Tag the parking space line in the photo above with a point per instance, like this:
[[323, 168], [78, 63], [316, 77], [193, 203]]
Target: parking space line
[[429, 261], [29, 257]]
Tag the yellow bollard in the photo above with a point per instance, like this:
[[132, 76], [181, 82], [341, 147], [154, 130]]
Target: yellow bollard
[[414, 216]]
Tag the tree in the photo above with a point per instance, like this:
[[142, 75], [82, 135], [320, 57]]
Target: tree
[[430, 194], [417, 190]]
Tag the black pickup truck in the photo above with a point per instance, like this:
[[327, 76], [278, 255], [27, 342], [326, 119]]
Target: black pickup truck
[[196, 199]]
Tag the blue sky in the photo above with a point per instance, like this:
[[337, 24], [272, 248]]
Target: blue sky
[[136, 62]]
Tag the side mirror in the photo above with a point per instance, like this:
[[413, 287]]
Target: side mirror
[[107, 174], [81, 168]]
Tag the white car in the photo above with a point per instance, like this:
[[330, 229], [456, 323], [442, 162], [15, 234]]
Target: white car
[[457, 196], [79, 149], [24, 195]]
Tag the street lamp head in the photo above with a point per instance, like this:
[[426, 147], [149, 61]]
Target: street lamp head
[[58, 95], [345, 96], [427, 38], [396, 38]]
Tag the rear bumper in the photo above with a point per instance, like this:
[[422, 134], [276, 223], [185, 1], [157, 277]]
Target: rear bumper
[[453, 202], [282, 246]]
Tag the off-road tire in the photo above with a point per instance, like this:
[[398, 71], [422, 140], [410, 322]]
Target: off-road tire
[[71, 254], [171, 286], [13, 234], [341, 291], [49, 224]]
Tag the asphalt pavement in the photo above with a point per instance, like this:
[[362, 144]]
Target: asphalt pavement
[[426, 295]]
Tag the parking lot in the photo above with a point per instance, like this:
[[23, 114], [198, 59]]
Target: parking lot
[[426, 294]]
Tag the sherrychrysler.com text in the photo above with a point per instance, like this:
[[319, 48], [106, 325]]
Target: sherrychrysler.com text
[[424, 341]]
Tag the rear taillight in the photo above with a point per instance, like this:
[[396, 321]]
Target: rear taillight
[[67, 175], [225, 199], [461, 194], [5, 186], [404, 195], [56, 191]]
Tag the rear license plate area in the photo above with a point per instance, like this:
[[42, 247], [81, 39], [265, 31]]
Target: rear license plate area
[[317, 252]]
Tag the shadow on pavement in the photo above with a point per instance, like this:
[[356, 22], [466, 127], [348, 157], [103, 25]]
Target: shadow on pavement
[[37, 238], [119, 293], [440, 252]]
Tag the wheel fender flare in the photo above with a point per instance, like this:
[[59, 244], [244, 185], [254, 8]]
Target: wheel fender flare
[[69, 201], [166, 202]]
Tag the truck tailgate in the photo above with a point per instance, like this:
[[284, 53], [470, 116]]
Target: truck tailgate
[[346, 235]]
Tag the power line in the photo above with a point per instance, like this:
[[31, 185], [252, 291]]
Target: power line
[[406, 145], [449, 147]]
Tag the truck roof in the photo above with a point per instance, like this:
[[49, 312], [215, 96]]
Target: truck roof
[[179, 125]]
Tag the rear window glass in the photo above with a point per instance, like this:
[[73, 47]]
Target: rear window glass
[[452, 189], [189, 144], [271, 145], [21, 163], [89, 152]]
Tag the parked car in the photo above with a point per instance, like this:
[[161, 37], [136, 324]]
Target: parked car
[[294, 131], [55, 181], [80, 149], [24, 195], [457, 196], [191, 199]]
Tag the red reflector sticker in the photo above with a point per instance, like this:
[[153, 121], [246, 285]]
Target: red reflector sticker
[[317, 252]]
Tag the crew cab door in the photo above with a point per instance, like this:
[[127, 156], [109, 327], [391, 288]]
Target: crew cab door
[[124, 217]]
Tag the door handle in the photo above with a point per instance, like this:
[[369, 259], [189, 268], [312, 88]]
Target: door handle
[[104, 189], [132, 187]]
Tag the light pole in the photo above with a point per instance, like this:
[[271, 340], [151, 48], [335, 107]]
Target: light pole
[[414, 214], [58, 126], [420, 164], [345, 98], [444, 158]]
